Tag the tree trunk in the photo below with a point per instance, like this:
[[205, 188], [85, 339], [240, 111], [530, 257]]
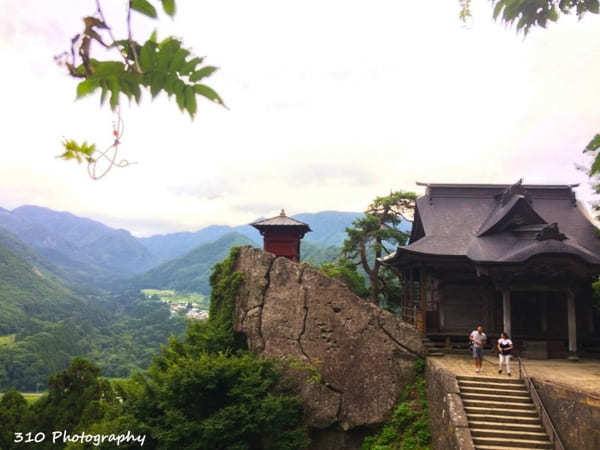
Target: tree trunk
[[374, 288]]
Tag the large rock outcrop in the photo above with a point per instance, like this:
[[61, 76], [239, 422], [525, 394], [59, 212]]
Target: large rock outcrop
[[364, 354]]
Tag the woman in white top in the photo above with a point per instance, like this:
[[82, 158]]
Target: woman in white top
[[505, 346]]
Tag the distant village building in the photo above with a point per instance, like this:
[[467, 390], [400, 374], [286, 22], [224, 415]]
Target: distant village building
[[517, 258], [282, 235]]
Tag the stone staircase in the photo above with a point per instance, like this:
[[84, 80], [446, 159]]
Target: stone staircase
[[432, 348], [501, 414]]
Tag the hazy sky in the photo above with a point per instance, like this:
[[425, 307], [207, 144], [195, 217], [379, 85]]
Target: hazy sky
[[331, 103]]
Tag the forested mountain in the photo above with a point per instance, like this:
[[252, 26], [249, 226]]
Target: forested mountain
[[51, 264], [44, 324], [85, 250], [27, 290], [318, 254], [170, 246], [191, 272]]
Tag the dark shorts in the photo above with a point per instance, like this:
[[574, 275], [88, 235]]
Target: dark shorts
[[477, 352]]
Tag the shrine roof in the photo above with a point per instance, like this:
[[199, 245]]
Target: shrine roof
[[489, 223], [281, 221]]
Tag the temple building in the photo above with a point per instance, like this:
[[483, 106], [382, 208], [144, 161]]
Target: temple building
[[282, 235], [517, 258]]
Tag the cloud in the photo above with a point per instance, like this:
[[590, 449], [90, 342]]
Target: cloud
[[323, 174], [260, 209], [206, 190], [370, 100]]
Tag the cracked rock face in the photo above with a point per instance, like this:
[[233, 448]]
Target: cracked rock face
[[364, 354]]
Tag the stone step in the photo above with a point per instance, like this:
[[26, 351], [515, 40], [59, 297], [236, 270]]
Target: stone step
[[490, 380], [509, 434], [506, 425], [484, 417], [497, 411], [494, 391], [437, 354], [492, 385], [499, 404], [495, 447], [517, 443], [496, 397]]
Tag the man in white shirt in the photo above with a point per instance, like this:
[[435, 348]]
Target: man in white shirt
[[478, 339]]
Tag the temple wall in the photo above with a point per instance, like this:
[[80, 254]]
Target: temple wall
[[467, 305]]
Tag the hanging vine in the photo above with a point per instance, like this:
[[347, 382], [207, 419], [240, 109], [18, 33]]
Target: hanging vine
[[151, 66]]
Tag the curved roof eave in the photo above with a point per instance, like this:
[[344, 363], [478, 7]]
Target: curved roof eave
[[520, 257]]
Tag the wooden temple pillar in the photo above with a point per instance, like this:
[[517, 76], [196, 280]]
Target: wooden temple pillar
[[544, 316], [572, 321], [421, 310], [506, 311]]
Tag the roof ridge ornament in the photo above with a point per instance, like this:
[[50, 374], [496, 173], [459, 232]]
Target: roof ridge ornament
[[550, 232], [282, 213], [512, 190]]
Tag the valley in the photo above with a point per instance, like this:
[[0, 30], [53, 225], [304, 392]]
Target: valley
[[71, 286]]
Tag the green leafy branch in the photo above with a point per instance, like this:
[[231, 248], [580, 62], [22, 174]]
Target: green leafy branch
[[78, 152], [141, 66], [530, 13], [593, 146]]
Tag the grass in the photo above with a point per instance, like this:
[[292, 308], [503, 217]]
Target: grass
[[408, 427], [170, 296], [7, 339], [30, 397]]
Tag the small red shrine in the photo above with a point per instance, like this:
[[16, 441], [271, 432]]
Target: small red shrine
[[282, 235]]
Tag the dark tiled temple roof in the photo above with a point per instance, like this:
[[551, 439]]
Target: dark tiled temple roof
[[281, 222], [500, 224]]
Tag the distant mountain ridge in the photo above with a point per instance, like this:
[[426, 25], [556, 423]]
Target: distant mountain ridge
[[329, 229], [86, 251]]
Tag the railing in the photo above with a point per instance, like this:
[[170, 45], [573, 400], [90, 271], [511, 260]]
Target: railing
[[537, 401]]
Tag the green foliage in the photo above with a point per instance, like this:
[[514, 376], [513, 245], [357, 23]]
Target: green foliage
[[377, 234], [408, 427], [164, 66], [225, 283], [144, 7], [137, 66], [203, 392], [122, 334], [79, 152], [313, 376], [346, 272], [420, 365], [465, 10], [8, 339], [531, 13], [207, 390], [14, 414], [592, 147], [76, 396]]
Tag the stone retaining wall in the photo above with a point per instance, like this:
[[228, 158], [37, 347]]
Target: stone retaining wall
[[447, 418], [575, 414]]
